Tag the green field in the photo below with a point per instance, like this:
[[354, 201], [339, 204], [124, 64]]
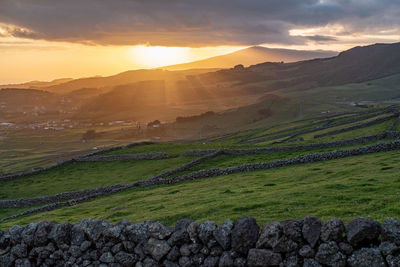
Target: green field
[[364, 185], [361, 186]]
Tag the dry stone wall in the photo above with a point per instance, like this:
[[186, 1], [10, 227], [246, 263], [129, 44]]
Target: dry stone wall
[[76, 197], [13, 176], [308, 242], [157, 155], [310, 158], [262, 150], [292, 135], [82, 195], [355, 127]]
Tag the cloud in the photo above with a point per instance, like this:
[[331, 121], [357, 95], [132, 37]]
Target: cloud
[[321, 38], [192, 22]]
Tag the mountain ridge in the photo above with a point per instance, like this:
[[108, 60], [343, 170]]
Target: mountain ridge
[[253, 55]]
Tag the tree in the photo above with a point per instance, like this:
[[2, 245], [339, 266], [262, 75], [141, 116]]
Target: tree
[[239, 67]]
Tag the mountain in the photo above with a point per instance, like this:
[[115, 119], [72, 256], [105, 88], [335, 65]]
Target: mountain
[[252, 55], [354, 65]]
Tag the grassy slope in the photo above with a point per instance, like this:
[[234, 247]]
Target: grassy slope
[[338, 188], [368, 182], [95, 174], [83, 175]]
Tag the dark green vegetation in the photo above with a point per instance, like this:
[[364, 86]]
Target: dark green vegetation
[[364, 185]]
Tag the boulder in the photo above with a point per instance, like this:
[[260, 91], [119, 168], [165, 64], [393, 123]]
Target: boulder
[[388, 248], [180, 235], [23, 263], [206, 231], [263, 257], [20, 251], [113, 233], [173, 254], [311, 263], [332, 230], [198, 259], [192, 230], [362, 231], [185, 250], [138, 233], [311, 230], [307, 252], [28, 233], [159, 230], [157, 248], [329, 255], [185, 261], [85, 245], [270, 234], [92, 228], [366, 257], [211, 261], [245, 234], [41, 234], [14, 234], [284, 244], [107, 257], [149, 262], [168, 263], [240, 262], [293, 230], [291, 259], [391, 231], [223, 234], [125, 259], [225, 260], [346, 248], [393, 261]]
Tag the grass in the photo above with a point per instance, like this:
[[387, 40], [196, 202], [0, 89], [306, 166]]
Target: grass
[[83, 175], [346, 188]]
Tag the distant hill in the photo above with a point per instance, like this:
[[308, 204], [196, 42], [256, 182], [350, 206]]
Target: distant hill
[[164, 94], [127, 77], [351, 66], [252, 55], [36, 84]]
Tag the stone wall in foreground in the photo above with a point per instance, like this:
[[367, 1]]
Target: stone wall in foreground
[[308, 242]]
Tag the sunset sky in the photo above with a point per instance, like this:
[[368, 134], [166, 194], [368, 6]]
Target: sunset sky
[[44, 39]]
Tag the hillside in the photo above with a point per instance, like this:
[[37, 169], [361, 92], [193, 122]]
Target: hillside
[[251, 56], [126, 77], [355, 65], [290, 170], [36, 84], [183, 93]]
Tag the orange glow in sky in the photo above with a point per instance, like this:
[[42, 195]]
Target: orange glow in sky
[[23, 59]]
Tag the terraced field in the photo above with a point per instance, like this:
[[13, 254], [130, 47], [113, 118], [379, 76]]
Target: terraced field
[[270, 173]]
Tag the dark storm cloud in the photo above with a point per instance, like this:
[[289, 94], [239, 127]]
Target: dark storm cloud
[[193, 22], [320, 38]]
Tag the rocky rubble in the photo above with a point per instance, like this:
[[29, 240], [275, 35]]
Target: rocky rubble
[[307, 242]]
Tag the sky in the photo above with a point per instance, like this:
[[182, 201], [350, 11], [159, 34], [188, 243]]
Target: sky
[[47, 39]]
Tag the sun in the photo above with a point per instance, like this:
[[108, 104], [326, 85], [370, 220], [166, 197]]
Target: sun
[[158, 56]]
